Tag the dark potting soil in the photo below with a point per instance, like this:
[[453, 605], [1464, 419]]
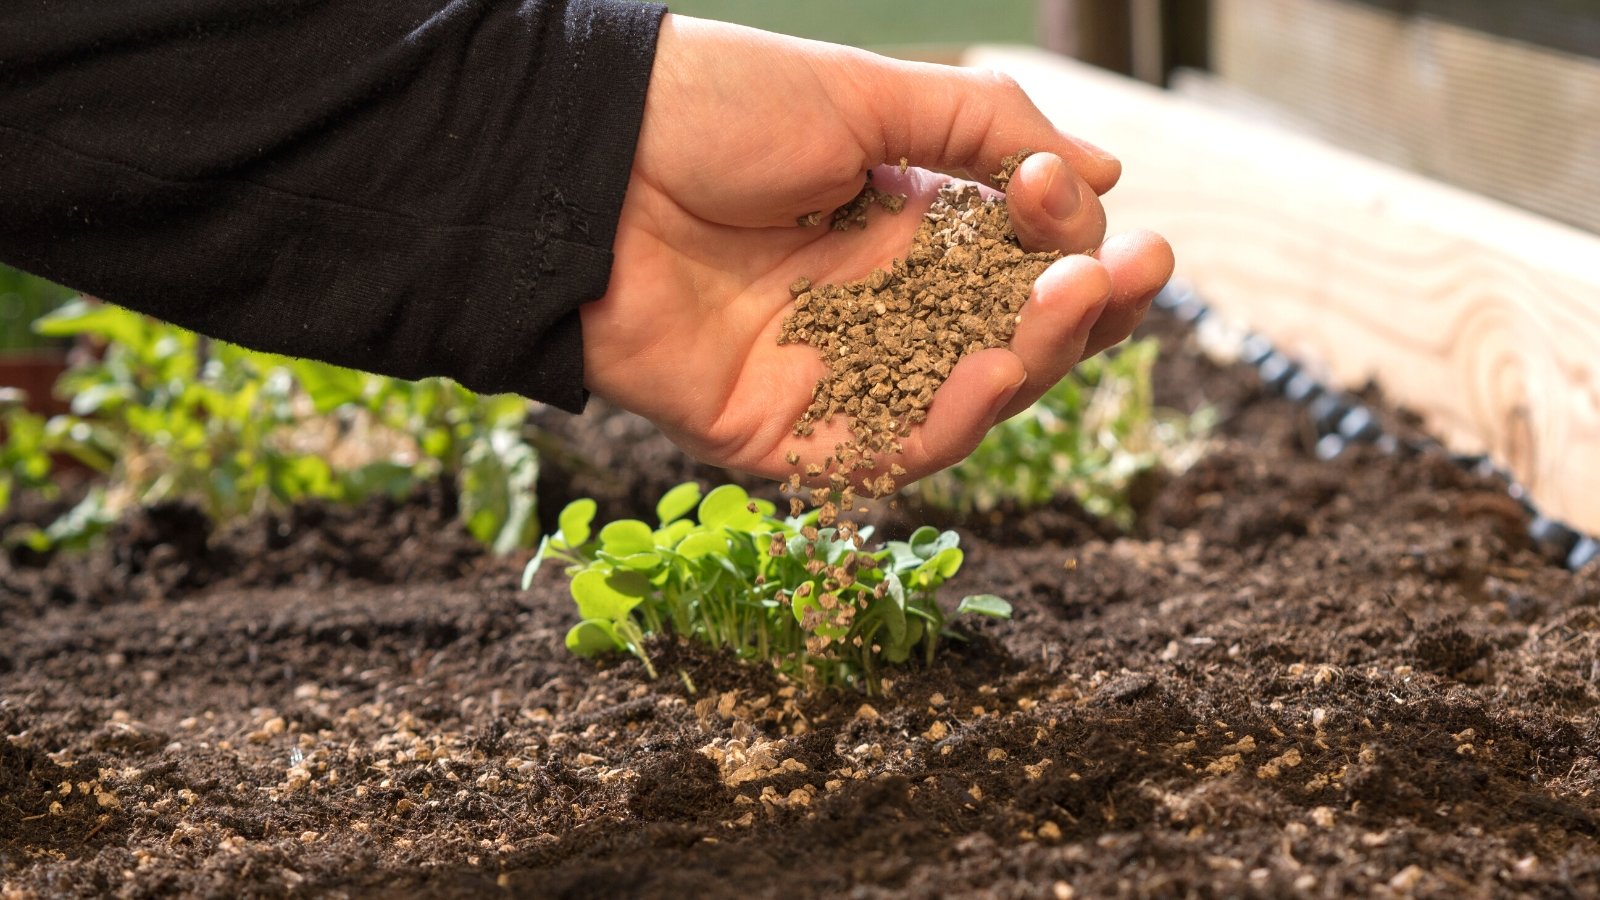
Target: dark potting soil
[[170, 550], [1297, 678]]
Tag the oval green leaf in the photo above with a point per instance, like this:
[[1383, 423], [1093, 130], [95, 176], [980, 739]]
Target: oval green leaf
[[727, 506], [945, 563], [625, 537], [607, 595], [703, 543], [676, 503], [985, 605], [593, 637], [574, 521], [799, 606]]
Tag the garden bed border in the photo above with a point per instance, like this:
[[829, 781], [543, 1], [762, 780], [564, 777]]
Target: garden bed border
[[1482, 318]]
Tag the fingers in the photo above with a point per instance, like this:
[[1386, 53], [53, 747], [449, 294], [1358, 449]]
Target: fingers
[[1082, 305], [941, 117], [1054, 209], [1066, 303], [965, 407], [1078, 307], [1140, 262]]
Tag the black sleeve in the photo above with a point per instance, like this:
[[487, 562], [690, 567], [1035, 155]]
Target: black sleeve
[[412, 187]]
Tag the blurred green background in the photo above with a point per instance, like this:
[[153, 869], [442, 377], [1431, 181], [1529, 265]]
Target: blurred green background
[[869, 23], [878, 22], [24, 298]]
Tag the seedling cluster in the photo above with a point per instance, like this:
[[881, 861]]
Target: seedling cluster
[[164, 414], [1090, 437], [723, 569]]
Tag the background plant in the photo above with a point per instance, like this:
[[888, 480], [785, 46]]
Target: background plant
[[24, 298], [1090, 437], [165, 414], [723, 569]]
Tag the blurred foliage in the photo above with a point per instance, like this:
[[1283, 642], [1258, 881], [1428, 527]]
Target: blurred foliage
[[1090, 438], [24, 298], [166, 414], [879, 22]]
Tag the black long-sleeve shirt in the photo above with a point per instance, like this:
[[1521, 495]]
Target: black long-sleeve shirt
[[412, 187]]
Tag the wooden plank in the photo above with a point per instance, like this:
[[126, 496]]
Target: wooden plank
[[1571, 26], [1494, 115], [1483, 318]]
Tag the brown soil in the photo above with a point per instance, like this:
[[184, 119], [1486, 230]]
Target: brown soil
[[1299, 679], [170, 550]]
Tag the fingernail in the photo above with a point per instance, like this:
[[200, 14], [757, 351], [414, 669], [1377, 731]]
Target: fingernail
[[1005, 398], [1061, 198]]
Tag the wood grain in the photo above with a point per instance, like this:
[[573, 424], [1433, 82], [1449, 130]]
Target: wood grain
[[1497, 116], [1483, 318]]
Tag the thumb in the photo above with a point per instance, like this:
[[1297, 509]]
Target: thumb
[[1052, 208], [965, 120]]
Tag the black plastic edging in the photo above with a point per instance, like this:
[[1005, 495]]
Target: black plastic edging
[[1342, 421]]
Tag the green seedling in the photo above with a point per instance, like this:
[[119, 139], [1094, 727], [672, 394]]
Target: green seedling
[[165, 414], [724, 569], [1090, 437]]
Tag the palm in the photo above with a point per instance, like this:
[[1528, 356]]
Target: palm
[[706, 364]]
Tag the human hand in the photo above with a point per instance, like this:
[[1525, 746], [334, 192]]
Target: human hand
[[745, 133]]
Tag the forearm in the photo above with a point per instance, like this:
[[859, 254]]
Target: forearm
[[413, 188]]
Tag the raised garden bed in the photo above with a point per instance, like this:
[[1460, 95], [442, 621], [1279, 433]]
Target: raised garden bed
[[1297, 677]]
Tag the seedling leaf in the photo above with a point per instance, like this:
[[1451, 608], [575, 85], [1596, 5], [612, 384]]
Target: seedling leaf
[[702, 543], [922, 541], [893, 606], [603, 595], [727, 506], [945, 563], [676, 503], [574, 521], [593, 637], [985, 605], [532, 568], [668, 536], [625, 537]]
